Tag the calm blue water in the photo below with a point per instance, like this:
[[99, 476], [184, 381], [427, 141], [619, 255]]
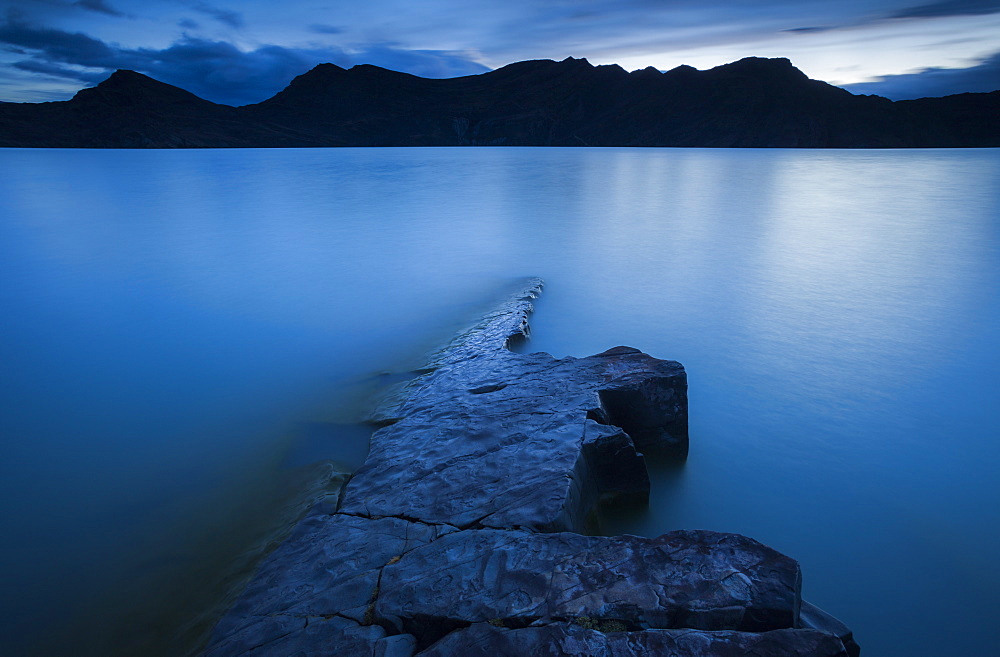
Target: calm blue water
[[180, 328]]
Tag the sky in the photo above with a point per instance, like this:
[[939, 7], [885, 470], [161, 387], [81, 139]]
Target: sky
[[244, 51]]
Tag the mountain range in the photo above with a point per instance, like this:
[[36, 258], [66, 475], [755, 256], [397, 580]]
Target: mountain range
[[753, 102]]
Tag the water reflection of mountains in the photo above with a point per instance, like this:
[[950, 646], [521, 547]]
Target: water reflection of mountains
[[750, 103]]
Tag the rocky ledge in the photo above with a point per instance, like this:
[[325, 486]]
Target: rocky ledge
[[463, 533]]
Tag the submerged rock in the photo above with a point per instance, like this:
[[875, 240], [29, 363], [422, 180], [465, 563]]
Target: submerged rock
[[462, 532]]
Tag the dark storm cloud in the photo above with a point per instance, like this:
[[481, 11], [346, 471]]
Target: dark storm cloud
[[934, 82], [950, 8], [58, 45], [55, 70], [215, 70], [99, 6]]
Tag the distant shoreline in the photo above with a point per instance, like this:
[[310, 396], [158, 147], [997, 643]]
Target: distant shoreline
[[752, 103]]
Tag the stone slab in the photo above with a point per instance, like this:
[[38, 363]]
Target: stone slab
[[330, 567], [491, 438], [684, 579]]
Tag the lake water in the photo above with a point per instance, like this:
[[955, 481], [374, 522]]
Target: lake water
[[183, 331]]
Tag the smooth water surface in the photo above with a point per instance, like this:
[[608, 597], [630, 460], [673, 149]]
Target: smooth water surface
[[182, 328]]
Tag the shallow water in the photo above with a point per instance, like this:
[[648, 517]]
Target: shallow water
[[181, 328]]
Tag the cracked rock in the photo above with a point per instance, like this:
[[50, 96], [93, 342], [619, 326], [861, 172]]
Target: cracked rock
[[462, 532], [329, 569], [684, 579]]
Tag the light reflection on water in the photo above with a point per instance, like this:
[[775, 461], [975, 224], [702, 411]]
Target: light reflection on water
[[179, 324]]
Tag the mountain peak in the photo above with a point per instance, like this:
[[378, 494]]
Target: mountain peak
[[127, 87], [646, 73], [318, 72], [779, 65], [127, 77], [765, 70], [316, 79], [775, 61], [367, 67], [125, 73], [326, 68]]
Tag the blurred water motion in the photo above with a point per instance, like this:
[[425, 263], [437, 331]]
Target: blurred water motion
[[183, 329]]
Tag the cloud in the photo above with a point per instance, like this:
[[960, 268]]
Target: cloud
[[950, 8], [934, 82], [58, 45], [425, 63], [59, 71], [99, 6], [810, 29], [215, 70], [231, 18]]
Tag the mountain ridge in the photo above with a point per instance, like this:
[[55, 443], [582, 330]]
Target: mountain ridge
[[753, 102]]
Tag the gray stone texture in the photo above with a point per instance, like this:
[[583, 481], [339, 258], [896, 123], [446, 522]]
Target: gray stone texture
[[328, 570], [492, 438], [691, 579]]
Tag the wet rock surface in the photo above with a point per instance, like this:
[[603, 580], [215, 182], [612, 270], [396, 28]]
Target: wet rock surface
[[684, 579], [496, 439], [462, 534]]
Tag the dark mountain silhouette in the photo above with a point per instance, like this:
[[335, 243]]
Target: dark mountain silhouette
[[750, 103]]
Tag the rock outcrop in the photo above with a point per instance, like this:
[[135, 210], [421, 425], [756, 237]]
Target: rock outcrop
[[463, 532]]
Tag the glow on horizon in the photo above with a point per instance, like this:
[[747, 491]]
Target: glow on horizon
[[851, 55]]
